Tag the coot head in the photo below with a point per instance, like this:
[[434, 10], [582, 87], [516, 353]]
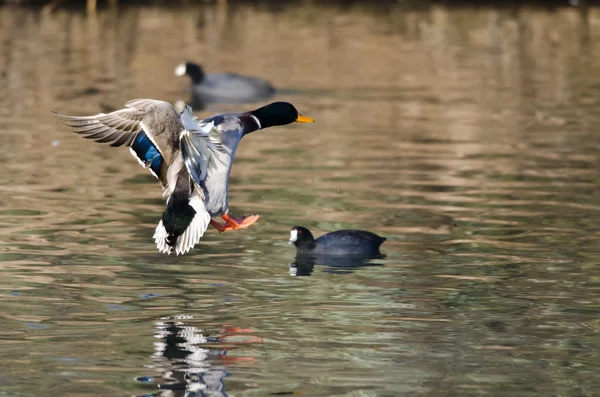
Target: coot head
[[302, 238], [192, 69]]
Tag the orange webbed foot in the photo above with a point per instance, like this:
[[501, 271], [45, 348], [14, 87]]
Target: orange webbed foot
[[232, 223]]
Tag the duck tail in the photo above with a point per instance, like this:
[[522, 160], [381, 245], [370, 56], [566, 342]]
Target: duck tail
[[182, 225]]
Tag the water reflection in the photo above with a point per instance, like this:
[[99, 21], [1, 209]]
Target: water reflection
[[467, 135], [187, 364], [304, 265]]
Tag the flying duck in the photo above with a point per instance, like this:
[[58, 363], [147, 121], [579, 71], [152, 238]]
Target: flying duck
[[191, 158]]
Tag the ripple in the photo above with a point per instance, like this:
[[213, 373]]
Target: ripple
[[466, 136]]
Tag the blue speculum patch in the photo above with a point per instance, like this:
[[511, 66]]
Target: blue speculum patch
[[147, 152]]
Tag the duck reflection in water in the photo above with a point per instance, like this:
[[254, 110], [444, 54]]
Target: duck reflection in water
[[188, 370], [341, 251]]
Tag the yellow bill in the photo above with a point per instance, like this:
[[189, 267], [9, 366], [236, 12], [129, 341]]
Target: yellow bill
[[304, 119]]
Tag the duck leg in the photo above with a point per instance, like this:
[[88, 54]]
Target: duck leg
[[232, 223]]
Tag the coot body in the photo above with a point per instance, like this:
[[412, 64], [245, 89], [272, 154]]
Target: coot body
[[341, 242], [224, 87]]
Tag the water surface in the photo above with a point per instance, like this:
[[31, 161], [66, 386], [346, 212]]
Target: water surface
[[466, 136]]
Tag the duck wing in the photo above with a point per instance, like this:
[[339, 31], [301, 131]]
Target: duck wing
[[202, 147], [157, 119]]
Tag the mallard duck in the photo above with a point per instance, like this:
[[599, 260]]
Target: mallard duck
[[224, 87], [191, 158], [340, 242]]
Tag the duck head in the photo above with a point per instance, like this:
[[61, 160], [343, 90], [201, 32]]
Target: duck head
[[279, 113]]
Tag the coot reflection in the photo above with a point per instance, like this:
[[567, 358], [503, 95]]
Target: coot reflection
[[304, 265]]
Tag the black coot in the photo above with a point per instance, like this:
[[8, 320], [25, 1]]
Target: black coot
[[224, 87], [341, 242]]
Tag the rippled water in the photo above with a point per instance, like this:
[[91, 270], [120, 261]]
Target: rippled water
[[468, 137]]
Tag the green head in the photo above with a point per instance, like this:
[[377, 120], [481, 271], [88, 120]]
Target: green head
[[279, 113]]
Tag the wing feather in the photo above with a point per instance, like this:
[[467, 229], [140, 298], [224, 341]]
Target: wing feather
[[117, 128], [200, 141], [160, 122], [196, 156]]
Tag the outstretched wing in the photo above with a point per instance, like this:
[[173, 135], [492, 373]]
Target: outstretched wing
[[158, 120], [117, 128]]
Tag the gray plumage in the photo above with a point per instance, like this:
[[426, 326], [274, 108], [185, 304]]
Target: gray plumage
[[224, 87], [191, 158], [211, 173], [158, 119], [197, 175], [231, 88]]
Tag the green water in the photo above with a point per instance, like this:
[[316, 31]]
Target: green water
[[468, 137]]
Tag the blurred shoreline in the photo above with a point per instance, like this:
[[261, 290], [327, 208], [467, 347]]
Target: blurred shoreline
[[407, 4]]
